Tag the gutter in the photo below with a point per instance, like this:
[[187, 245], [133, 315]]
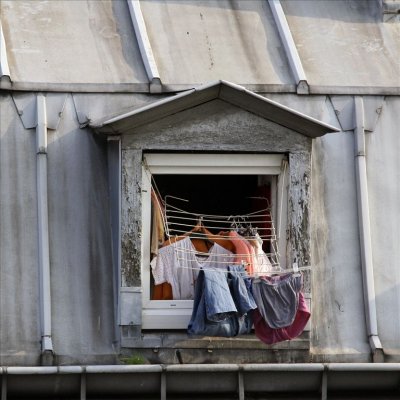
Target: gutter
[[365, 234], [187, 381], [47, 353]]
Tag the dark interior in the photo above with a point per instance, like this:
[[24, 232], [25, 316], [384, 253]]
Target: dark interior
[[224, 195]]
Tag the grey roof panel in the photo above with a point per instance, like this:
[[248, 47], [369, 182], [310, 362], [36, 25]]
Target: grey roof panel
[[90, 46], [72, 42], [197, 41], [344, 43]]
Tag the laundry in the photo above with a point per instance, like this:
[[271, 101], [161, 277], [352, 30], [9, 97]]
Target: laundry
[[270, 335], [235, 287], [277, 298], [222, 304], [179, 264]]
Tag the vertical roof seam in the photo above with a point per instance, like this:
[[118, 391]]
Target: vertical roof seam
[[292, 54], [144, 45], [4, 68]]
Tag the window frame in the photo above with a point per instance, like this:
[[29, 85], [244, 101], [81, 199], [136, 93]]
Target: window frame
[[175, 314]]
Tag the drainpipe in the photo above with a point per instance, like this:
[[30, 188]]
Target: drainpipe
[[365, 234], [47, 353]]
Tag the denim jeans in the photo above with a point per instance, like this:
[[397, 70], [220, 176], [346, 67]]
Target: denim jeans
[[221, 303]]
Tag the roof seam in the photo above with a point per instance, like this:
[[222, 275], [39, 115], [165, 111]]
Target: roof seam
[[4, 68]]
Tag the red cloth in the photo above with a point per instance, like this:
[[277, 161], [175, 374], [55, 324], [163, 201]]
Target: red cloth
[[270, 336]]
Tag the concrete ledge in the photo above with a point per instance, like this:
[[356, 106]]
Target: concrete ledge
[[179, 348]]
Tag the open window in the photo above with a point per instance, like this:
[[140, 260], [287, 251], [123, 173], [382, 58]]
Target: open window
[[211, 184]]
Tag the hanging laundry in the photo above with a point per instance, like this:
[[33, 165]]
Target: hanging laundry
[[157, 224], [179, 264], [222, 303], [242, 249], [269, 335], [261, 263], [229, 277], [277, 298]]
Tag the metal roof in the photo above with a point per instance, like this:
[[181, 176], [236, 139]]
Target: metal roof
[[226, 91], [340, 47]]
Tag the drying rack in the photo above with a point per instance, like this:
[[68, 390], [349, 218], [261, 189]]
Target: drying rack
[[258, 225]]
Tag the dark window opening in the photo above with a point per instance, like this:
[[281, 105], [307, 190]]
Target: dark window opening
[[227, 195]]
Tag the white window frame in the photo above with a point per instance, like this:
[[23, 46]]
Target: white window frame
[[175, 314]]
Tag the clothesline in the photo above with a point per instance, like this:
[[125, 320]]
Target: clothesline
[[205, 236], [171, 219], [257, 274], [222, 217], [233, 255]]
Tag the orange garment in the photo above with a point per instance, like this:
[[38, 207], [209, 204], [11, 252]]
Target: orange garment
[[162, 292], [243, 250], [203, 244], [157, 229]]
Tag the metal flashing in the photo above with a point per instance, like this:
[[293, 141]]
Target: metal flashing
[[25, 104], [55, 103], [373, 106], [230, 93], [344, 110], [390, 10], [289, 46], [145, 46], [26, 108]]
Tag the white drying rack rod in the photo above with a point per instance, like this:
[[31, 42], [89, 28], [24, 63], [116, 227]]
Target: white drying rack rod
[[180, 222]]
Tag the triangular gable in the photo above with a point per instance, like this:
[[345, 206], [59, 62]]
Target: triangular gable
[[226, 91]]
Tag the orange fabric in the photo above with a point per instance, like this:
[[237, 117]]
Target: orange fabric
[[201, 244], [162, 292], [242, 248], [157, 230]]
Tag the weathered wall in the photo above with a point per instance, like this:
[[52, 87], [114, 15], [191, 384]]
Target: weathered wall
[[19, 284], [80, 239], [80, 251], [339, 228], [338, 322], [80, 245], [216, 126], [383, 169], [338, 328]]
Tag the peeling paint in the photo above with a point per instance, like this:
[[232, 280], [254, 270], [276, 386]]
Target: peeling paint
[[131, 228], [298, 209]]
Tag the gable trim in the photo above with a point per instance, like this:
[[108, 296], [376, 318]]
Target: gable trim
[[226, 91]]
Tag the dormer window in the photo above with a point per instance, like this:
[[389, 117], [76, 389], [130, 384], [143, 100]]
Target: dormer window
[[219, 142]]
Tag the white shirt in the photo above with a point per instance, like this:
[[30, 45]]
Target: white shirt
[[179, 264]]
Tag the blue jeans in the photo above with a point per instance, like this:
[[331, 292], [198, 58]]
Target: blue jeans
[[221, 303]]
